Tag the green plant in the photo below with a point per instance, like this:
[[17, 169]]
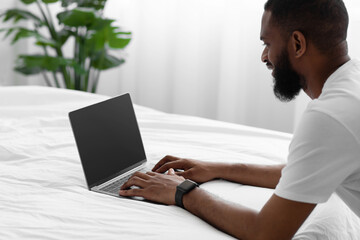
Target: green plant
[[93, 36]]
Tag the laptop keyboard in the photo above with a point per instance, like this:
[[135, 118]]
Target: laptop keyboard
[[115, 186]]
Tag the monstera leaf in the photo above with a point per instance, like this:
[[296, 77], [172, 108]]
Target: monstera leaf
[[107, 36], [34, 64], [97, 5], [19, 14], [77, 17], [103, 61]]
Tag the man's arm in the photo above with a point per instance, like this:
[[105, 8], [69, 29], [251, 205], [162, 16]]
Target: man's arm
[[251, 174], [278, 219], [199, 171]]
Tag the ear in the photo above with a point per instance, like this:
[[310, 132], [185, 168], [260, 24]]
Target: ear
[[298, 44]]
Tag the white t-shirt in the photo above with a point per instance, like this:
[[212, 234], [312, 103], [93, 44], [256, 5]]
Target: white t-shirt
[[324, 154]]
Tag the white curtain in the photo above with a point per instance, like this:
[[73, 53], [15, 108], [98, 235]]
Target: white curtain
[[202, 58], [197, 57]]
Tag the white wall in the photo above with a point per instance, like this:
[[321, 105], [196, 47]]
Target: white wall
[[7, 53], [196, 57]]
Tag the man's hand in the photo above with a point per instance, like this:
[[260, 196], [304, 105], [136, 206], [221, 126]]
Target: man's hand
[[153, 186], [195, 170]]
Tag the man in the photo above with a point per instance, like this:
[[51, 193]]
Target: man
[[305, 47]]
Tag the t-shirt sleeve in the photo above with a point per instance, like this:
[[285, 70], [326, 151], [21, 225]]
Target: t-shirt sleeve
[[321, 157]]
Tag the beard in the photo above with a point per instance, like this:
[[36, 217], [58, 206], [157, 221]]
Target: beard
[[287, 82]]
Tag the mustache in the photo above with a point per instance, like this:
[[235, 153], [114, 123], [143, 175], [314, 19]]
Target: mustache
[[269, 65]]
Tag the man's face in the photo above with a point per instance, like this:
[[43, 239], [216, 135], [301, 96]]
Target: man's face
[[287, 82]]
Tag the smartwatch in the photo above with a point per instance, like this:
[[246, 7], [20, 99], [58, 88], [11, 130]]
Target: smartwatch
[[183, 188]]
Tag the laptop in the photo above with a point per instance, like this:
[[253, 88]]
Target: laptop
[[109, 143]]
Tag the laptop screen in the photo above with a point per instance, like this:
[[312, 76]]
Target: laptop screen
[[108, 139]]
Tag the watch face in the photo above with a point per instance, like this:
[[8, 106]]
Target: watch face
[[187, 185]]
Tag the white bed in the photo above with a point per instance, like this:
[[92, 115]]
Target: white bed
[[43, 193]]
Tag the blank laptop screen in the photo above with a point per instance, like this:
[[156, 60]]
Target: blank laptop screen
[[108, 139]]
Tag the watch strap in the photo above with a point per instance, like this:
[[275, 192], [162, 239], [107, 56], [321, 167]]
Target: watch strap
[[183, 188]]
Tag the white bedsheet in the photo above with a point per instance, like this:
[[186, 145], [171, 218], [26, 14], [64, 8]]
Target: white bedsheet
[[43, 193]]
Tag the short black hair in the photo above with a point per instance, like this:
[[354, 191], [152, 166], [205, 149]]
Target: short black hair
[[324, 22]]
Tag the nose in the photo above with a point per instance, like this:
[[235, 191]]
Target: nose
[[264, 55]]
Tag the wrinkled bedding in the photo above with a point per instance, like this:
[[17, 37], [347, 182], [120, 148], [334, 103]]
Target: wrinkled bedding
[[43, 193]]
